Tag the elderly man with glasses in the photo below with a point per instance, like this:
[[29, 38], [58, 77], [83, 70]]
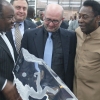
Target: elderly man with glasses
[[53, 44]]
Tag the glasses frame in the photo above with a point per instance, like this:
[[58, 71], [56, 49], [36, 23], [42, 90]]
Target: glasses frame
[[55, 22]]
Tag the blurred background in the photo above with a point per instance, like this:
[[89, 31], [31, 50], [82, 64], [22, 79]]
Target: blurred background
[[71, 7]]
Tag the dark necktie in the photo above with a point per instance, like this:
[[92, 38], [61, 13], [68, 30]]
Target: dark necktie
[[18, 37], [48, 50]]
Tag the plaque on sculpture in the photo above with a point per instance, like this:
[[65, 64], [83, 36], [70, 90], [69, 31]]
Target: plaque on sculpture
[[37, 81]]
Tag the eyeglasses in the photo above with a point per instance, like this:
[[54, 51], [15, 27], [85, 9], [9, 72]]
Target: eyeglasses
[[48, 20]]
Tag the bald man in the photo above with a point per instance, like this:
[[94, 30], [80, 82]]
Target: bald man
[[63, 44]]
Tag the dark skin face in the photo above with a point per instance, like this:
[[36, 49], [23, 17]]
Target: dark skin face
[[41, 15], [7, 20], [88, 22]]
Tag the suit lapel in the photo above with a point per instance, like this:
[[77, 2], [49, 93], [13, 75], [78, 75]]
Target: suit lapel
[[65, 46], [26, 25], [38, 38], [4, 46], [10, 37]]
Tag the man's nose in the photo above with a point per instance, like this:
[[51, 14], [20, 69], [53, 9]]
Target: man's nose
[[51, 23], [13, 19], [80, 19], [21, 10]]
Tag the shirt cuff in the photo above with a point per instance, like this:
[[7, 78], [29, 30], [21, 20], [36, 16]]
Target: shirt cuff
[[4, 84]]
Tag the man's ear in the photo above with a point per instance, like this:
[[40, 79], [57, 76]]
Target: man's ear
[[63, 18], [0, 14], [98, 18], [43, 16]]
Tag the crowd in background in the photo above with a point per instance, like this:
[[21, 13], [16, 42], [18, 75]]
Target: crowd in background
[[70, 24]]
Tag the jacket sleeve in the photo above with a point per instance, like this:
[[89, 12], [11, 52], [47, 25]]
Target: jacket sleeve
[[2, 81], [70, 68]]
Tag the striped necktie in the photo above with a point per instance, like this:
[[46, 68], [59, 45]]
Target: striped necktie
[[48, 50], [18, 37]]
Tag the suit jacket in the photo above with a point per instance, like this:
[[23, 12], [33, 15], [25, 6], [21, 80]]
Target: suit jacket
[[33, 42], [64, 25], [38, 23], [6, 65], [29, 19], [27, 25]]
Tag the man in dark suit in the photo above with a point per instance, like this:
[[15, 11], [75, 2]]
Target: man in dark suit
[[20, 7], [40, 22], [31, 14], [64, 43], [7, 89], [64, 25]]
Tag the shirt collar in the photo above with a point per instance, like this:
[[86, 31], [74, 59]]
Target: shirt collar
[[53, 33], [93, 34], [2, 33], [21, 23]]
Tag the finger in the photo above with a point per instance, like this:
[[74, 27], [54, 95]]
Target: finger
[[19, 98]]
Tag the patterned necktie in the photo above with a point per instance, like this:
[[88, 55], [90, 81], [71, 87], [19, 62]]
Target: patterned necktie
[[48, 50], [18, 37]]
